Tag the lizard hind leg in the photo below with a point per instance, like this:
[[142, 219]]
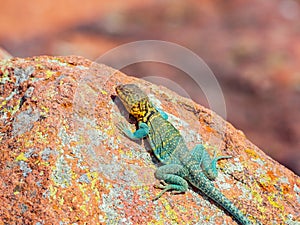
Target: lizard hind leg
[[208, 164], [211, 171], [171, 179]]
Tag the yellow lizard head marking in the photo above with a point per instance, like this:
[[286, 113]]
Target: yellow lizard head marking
[[135, 100]]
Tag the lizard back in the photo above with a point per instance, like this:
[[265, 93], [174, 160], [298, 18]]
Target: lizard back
[[165, 139]]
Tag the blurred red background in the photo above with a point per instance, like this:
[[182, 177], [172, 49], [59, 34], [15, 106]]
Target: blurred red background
[[253, 48]]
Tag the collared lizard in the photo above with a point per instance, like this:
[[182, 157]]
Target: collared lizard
[[180, 165]]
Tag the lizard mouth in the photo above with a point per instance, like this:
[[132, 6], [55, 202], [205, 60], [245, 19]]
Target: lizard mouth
[[120, 92], [119, 88]]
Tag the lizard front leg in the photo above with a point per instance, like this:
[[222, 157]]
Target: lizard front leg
[[171, 177], [208, 165], [140, 133]]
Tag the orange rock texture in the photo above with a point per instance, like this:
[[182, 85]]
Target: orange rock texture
[[63, 160]]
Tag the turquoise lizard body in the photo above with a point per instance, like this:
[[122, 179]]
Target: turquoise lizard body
[[180, 165]]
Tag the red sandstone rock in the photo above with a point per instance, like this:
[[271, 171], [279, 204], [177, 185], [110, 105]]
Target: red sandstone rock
[[62, 159]]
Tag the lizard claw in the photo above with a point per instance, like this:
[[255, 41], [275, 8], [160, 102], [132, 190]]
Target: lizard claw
[[161, 185], [175, 192], [123, 127]]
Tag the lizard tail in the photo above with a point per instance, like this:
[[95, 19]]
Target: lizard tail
[[200, 181]]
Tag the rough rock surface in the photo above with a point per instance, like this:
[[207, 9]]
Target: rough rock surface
[[63, 161]]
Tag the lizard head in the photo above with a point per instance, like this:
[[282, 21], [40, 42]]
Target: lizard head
[[134, 99]]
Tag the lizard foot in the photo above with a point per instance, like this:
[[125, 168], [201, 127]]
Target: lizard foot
[[122, 127], [175, 189], [174, 192], [161, 185]]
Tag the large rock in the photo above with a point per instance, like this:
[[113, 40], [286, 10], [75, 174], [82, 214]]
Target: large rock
[[63, 161]]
